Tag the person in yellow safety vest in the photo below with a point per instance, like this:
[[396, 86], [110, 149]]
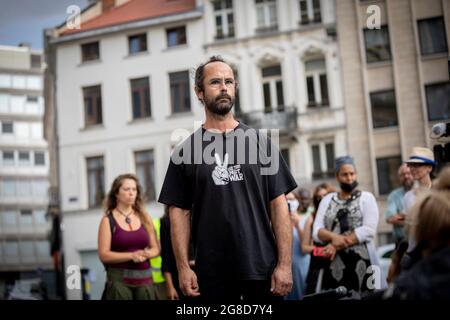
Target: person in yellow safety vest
[[156, 264]]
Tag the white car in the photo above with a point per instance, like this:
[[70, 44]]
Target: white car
[[384, 256]]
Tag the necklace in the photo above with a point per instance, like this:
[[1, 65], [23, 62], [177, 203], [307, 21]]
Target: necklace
[[127, 217]]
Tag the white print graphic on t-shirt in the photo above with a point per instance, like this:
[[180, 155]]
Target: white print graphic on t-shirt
[[222, 175]]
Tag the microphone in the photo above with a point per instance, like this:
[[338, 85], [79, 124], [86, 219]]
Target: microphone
[[328, 295]]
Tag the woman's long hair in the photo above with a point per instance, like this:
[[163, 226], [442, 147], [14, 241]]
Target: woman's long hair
[[431, 215], [110, 202], [316, 201]]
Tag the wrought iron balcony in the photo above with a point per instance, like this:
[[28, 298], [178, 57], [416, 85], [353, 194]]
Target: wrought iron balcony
[[283, 118]]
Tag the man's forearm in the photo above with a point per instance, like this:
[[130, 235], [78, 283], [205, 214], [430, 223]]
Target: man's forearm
[[180, 235], [283, 231]]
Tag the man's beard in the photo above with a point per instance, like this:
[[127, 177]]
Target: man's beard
[[218, 107], [408, 186]]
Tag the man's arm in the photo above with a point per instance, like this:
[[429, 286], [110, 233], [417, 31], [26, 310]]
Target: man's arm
[[282, 275], [180, 235], [392, 214]]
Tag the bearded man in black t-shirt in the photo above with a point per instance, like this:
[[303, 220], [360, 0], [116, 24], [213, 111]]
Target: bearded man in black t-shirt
[[225, 186]]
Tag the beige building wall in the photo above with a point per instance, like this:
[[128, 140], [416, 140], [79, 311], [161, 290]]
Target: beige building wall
[[407, 73]]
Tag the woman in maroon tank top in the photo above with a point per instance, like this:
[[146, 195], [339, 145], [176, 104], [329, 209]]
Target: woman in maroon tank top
[[126, 251]]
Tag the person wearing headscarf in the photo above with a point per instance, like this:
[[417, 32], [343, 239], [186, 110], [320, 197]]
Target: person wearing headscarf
[[348, 220]]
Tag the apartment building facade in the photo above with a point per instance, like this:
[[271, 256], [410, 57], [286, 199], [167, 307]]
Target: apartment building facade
[[396, 82], [24, 167]]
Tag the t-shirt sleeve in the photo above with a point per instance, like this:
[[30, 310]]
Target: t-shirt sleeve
[[391, 206], [280, 178], [175, 190]]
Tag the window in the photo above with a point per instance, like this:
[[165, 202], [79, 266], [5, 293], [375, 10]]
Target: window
[[96, 182], [387, 173], [140, 96], [145, 170], [179, 91], [92, 105], [285, 154], [31, 99], [7, 188], [266, 15], [42, 248], [223, 13], [11, 248], [26, 249], [4, 102], [377, 44], [8, 218], [323, 160], [24, 158], [39, 158], [176, 36], [5, 80], [36, 130], [316, 83], [137, 43], [36, 61], [40, 188], [432, 36], [438, 101], [8, 158], [7, 127], [40, 217], [23, 188], [272, 88], [90, 51], [26, 217], [310, 11], [19, 82], [384, 111], [34, 83]]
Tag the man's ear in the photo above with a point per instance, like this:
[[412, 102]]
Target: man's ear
[[199, 93]]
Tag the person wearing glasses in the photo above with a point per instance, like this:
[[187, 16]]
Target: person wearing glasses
[[421, 164], [228, 194]]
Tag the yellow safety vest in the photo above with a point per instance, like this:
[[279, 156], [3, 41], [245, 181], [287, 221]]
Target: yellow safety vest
[[156, 262]]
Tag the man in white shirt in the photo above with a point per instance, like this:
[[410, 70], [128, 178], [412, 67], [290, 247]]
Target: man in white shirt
[[421, 163]]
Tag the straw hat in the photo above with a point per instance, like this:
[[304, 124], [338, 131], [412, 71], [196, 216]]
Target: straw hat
[[421, 155]]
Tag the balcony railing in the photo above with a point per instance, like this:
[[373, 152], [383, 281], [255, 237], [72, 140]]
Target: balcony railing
[[284, 119], [266, 29]]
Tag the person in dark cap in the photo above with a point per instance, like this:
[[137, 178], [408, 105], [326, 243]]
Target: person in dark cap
[[348, 220]]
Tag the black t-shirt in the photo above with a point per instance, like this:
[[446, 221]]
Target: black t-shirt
[[227, 180]]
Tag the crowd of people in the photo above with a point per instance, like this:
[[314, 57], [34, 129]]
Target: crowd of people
[[231, 233]]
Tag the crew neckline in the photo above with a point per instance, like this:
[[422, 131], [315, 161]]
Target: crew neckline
[[225, 134]]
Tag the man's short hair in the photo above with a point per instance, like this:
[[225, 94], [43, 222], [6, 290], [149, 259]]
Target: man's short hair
[[200, 72]]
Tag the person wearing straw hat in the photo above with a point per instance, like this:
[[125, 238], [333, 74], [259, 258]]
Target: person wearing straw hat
[[421, 163]]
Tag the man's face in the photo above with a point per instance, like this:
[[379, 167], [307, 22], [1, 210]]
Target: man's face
[[419, 170], [406, 178], [220, 88]]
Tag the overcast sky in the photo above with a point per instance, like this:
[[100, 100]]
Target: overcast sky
[[25, 20]]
